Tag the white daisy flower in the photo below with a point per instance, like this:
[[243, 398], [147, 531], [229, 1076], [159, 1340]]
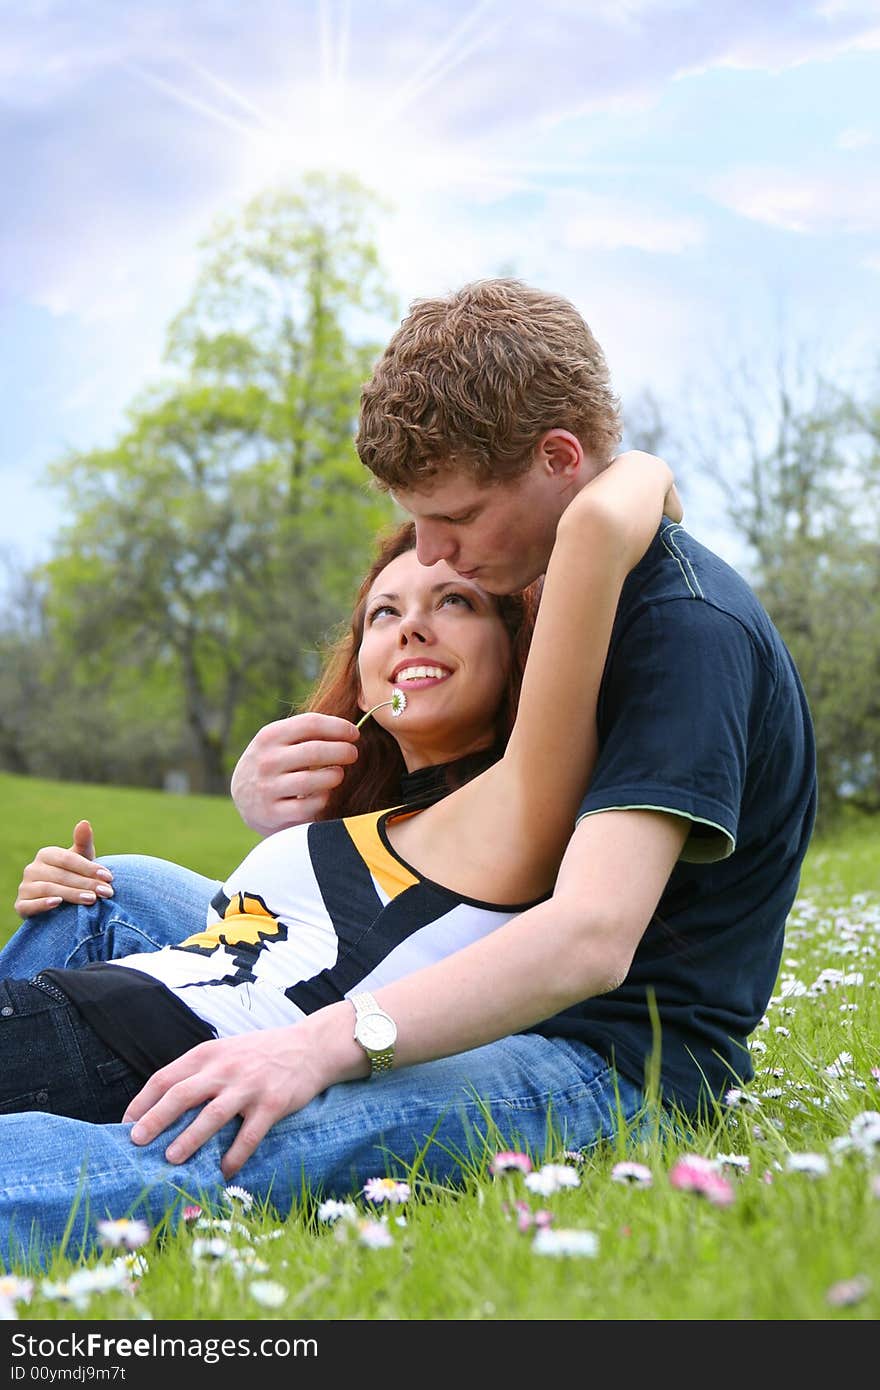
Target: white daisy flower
[[215, 1248], [551, 1178], [247, 1262], [332, 1211], [14, 1289], [386, 1190], [374, 1234], [816, 1165], [238, 1198], [848, 1291], [135, 1266], [565, 1241], [130, 1234], [865, 1128], [740, 1161], [635, 1173], [267, 1293]]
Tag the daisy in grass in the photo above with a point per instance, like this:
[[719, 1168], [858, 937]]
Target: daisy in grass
[[238, 1198], [224, 1225], [814, 1165], [741, 1163], [526, 1218], [386, 1190], [191, 1213], [133, 1265], [15, 1290], [267, 1293], [865, 1130], [374, 1234], [551, 1178], [215, 1248], [332, 1211], [565, 1241], [247, 1262], [509, 1161], [130, 1234], [735, 1098], [397, 703], [634, 1173], [83, 1283], [848, 1291], [7, 1310], [699, 1175]]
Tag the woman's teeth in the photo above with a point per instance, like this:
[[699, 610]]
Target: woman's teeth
[[417, 673]]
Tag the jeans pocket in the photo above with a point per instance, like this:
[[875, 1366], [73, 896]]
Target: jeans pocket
[[28, 1100], [116, 1075]]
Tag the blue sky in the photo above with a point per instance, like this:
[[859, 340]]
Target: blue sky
[[690, 175]]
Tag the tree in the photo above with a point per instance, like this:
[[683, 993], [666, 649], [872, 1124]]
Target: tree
[[800, 470], [213, 546]]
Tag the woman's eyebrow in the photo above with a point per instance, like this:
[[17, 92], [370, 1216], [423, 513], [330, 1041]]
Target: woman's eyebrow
[[435, 589]]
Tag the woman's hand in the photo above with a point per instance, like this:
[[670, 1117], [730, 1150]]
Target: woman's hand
[[288, 770], [64, 875], [631, 496]]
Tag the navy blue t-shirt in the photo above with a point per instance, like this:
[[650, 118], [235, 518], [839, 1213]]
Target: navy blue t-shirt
[[701, 713]]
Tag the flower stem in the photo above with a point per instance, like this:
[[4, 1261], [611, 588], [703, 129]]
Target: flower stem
[[397, 703]]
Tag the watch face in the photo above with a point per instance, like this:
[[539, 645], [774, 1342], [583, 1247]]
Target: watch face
[[376, 1031]]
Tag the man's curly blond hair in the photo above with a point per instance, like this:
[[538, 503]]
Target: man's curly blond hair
[[471, 380]]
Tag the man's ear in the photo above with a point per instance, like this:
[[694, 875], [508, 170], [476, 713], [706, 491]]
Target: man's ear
[[562, 453]]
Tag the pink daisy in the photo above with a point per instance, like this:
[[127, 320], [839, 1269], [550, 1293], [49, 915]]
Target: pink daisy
[[697, 1174], [509, 1161]]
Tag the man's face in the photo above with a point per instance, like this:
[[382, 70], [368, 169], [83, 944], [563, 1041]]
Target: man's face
[[498, 534]]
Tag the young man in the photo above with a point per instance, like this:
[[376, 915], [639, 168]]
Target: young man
[[656, 955]]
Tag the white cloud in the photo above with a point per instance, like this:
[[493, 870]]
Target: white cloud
[[821, 203], [855, 139]]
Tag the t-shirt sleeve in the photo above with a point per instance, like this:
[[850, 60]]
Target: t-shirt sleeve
[[674, 720]]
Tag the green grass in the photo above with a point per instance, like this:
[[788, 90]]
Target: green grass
[[203, 832], [773, 1254]]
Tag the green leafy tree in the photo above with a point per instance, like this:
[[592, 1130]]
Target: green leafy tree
[[212, 547], [799, 463]]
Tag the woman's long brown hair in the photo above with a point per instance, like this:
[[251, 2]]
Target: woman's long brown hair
[[373, 782]]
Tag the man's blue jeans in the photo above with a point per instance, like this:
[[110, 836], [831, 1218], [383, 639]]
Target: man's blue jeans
[[529, 1092]]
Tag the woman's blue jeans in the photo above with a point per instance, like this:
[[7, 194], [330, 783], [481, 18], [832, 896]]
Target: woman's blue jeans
[[528, 1092]]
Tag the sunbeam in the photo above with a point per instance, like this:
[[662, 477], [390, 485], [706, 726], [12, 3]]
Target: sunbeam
[[185, 98], [435, 68]]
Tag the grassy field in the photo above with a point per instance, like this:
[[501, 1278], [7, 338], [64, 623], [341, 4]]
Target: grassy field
[[785, 1223]]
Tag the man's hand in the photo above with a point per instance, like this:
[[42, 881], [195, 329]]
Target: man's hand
[[289, 769], [64, 875], [260, 1076]]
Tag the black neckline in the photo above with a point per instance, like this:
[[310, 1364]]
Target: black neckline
[[426, 785]]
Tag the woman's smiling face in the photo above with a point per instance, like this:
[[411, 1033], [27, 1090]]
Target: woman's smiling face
[[440, 639]]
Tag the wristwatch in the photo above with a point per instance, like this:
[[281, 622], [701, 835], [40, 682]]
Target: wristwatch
[[376, 1032]]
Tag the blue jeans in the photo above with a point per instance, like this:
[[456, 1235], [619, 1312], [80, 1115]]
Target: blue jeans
[[54, 1061], [525, 1091]]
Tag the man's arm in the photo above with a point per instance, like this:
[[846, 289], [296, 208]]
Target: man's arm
[[577, 944]]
